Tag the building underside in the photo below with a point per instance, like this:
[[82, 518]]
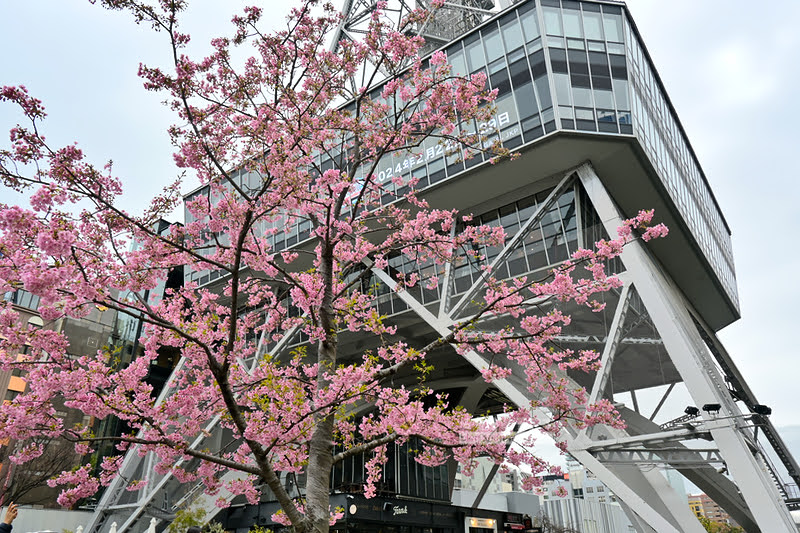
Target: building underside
[[651, 340], [582, 170]]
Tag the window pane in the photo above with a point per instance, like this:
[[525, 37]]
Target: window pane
[[583, 96], [616, 48], [593, 26], [537, 64], [563, 93], [505, 110], [597, 46], [512, 33], [456, 59], [526, 100], [558, 60], [572, 23], [552, 21], [604, 98], [576, 44], [475, 59], [520, 73], [543, 90], [493, 44], [530, 25], [621, 92], [599, 64], [500, 82], [619, 70], [612, 24]]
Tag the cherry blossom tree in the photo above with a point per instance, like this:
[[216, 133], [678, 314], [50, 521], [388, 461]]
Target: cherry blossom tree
[[27, 484], [282, 139]]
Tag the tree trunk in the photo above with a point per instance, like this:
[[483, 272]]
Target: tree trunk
[[320, 459]]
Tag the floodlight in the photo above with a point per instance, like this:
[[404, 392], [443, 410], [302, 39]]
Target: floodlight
[[762, 410]]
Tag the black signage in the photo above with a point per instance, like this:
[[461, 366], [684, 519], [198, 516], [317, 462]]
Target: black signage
[[400, 512]]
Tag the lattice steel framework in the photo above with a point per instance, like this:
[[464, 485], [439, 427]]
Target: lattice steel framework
[[453, 19], [648, 318]]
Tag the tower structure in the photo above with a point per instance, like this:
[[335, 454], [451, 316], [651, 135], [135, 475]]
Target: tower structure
[[580, 99]]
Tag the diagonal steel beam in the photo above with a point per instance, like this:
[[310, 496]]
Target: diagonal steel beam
[[615, 336], [646, 481], [447, 283], [630, 496], [492, 473], [132, 458], [669, 312], [661, 402], [512, 244]]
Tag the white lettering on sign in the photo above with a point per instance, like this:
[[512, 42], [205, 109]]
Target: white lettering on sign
[[396, 510], [503, 119]]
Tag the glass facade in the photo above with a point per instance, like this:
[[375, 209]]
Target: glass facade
[[549, 241], [663, 139], [402, 475], [561, 65], [579, 65]]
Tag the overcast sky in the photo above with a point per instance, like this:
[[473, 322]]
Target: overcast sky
[[729, 66], [731, 70]]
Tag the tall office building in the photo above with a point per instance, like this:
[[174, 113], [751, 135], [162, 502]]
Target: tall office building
[[580, 99]]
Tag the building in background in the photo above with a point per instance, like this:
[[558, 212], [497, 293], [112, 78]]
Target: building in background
[[582, 502], [703, 506], [26, 484], [104, 330], [696, 505], [124, 339]]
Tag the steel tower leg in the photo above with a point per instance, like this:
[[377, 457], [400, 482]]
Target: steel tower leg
[[691, 357]]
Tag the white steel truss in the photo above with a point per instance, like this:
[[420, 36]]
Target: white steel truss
[[627, 460], [689, 353]]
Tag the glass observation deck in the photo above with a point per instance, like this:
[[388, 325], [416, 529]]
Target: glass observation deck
[[574, 67]]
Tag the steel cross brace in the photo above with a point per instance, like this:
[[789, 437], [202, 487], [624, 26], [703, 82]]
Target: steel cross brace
[[615, 336], [665, 456], [443, 324], [512, 244], [692, 431], [132, 459]]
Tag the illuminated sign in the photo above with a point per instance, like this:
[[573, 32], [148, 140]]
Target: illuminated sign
[[481, 522]]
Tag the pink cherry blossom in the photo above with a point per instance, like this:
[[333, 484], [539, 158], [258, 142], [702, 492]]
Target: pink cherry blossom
[[255, 135]]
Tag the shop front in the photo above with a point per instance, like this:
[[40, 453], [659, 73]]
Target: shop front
[[377, 515]]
